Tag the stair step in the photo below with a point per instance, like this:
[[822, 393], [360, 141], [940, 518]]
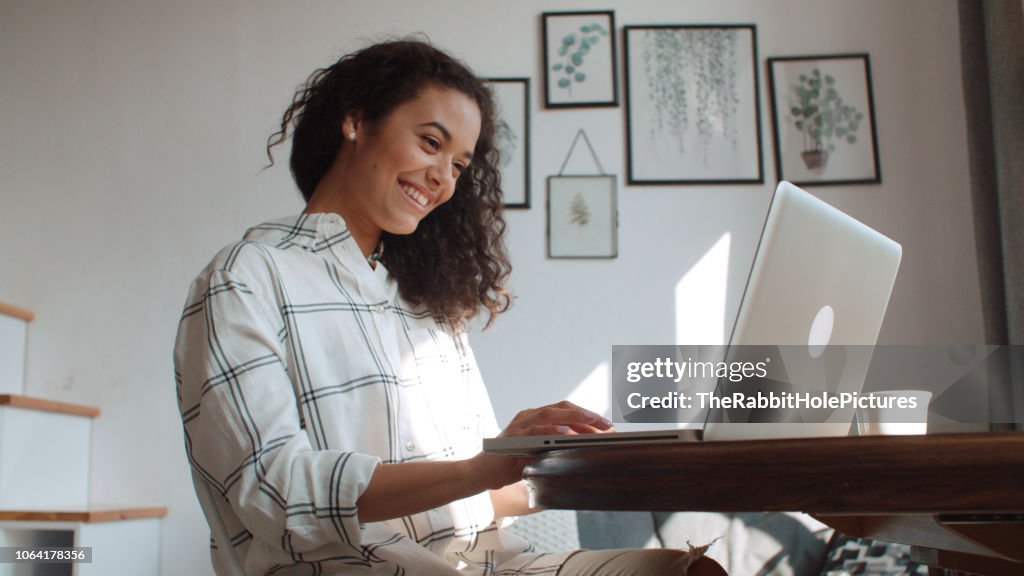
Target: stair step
[[13, 343], [45, 405], [44, 453], [15, 312], [124, 541], [83, 515]]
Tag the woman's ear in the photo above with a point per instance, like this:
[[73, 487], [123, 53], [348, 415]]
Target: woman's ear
[[351, 125]]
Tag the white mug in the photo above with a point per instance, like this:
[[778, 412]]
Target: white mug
[[887, 417]]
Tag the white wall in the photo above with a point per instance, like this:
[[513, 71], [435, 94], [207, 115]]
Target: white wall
[[133, 139]]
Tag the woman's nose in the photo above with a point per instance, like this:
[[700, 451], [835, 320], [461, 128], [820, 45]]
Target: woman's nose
[[440, 174]]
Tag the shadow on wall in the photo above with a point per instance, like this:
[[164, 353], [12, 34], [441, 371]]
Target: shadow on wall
[[700, 318]]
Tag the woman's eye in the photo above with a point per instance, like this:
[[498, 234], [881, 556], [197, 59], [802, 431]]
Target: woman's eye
[[432, 142]]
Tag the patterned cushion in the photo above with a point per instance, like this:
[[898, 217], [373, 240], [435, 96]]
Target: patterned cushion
[[847, 556]]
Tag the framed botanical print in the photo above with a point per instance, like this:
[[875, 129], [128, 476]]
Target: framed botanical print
[[512, 138], [824, 119], [579, 59], [692, 108], [582, 217]]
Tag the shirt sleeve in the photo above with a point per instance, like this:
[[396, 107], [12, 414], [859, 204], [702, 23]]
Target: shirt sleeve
[[242, 426]]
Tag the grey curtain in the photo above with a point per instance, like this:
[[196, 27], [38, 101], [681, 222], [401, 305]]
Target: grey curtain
[[992, 47]]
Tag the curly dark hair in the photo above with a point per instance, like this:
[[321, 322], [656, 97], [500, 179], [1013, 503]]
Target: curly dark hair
[[455, 262]]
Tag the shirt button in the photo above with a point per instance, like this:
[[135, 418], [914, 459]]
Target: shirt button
[[380, 309], [410, 446]]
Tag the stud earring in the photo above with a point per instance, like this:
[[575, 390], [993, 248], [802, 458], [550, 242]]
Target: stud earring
[[351, 136]]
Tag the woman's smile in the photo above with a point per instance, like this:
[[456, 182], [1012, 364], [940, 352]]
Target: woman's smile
[[416, 193]]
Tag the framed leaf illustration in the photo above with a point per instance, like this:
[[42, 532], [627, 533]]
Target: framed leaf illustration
[[582, 217], [692, 108], [579, 59]]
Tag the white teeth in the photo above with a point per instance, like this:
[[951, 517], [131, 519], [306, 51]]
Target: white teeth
[[415, 195]]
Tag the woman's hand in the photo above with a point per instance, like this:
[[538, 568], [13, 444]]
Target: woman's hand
[[561, 418]]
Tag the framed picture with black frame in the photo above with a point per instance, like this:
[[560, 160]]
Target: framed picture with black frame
[[582, 217], [512, 138], [692, 104], [579, 59], [823, 116]]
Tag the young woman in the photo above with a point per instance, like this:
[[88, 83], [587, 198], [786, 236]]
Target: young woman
[[328, 393]]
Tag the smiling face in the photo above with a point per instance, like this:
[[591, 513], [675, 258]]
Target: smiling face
[[400, 168]]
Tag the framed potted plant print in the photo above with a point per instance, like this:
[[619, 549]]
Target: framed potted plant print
[[824, 120], [692, 108], [582, 217], [512, 138], [579, 59]]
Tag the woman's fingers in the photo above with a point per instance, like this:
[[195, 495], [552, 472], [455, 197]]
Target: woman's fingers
[[546, 430], [571, 415], [588, 429], [561, 418]]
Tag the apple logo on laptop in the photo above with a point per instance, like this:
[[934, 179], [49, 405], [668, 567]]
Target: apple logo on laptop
[[821, 331]]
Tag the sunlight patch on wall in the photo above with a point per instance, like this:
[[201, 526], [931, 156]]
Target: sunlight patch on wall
[[701, 296], [593, 393]]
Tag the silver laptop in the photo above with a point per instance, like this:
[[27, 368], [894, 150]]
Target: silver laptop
[[819, 277]]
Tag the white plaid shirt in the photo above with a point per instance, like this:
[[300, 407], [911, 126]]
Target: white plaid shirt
[[300, 368]]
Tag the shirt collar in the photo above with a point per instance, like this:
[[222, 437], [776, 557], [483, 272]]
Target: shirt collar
[[312, 232], [316, 233]]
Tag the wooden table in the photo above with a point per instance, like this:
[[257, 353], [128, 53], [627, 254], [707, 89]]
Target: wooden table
[[957, 499]]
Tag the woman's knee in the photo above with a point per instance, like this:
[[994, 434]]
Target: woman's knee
[[639, 562], [706, 567]]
